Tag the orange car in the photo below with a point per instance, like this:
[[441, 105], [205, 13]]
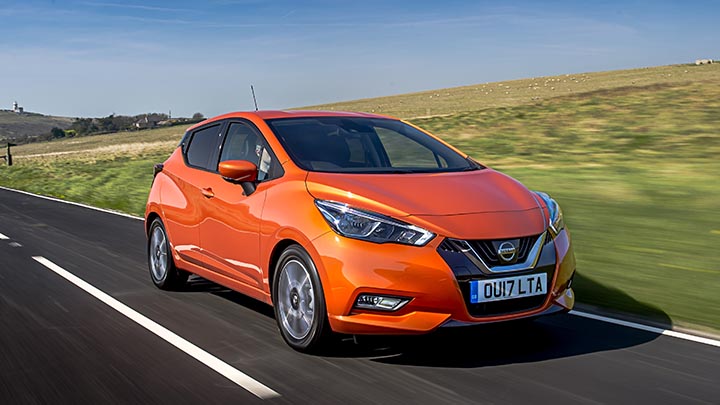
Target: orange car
[[354, 223]]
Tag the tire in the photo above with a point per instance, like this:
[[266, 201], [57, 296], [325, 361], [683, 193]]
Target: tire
[[162, 268], [299, 301]]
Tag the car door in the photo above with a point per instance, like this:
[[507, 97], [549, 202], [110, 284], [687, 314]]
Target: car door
[[230, 232], [185, 212]]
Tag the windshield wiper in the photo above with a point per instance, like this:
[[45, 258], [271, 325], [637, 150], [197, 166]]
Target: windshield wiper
[[398, 171]]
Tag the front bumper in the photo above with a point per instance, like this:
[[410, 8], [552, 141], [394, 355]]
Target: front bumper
[[438, 291]]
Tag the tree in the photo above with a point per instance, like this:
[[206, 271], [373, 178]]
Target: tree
[[57, 133], [198, 117], [84, 126], [107, 124]]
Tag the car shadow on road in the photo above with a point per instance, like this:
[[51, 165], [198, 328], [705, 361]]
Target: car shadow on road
[[552, 337], [549, 338], [200, 285]]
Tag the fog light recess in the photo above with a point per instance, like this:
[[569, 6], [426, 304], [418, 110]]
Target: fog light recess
[[380, 302]]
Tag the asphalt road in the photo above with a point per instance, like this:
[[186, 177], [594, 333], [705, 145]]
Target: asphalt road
[[59, 344]]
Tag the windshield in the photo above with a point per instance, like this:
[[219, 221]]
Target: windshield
[[364, 145]]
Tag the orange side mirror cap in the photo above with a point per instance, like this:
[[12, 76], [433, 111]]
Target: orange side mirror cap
[[238, 170]]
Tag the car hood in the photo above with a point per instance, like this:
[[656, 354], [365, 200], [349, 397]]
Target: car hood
[[469, 205]]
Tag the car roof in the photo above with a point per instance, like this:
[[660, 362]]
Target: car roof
[[274, 114]]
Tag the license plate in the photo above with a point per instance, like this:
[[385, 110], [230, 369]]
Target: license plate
[[507, 288]]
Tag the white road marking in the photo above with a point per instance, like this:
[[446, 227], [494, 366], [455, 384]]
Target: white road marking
[[15, 244], [122, 214], [666, 332], [3, 237], [227, 371], [652, 329]]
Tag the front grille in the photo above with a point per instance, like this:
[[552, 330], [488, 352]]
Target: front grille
[[448, 246], [487, 249], [464, 265]]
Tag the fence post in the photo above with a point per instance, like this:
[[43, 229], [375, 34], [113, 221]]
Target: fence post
[[9, 155]]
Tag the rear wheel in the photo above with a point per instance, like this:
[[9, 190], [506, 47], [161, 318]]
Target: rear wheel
[[163, 272], [299, 301]]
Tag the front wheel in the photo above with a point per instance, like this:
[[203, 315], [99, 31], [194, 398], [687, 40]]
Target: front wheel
[[299, 301], [163, 272]]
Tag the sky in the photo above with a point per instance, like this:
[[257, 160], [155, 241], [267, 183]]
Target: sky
[[99, 57]]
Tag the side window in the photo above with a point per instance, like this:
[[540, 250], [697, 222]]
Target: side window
[[245, 143], [202, 146], [242, 143]]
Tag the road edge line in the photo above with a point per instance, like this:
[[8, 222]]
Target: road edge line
[[45, 197], [236, 376], [647, 328]]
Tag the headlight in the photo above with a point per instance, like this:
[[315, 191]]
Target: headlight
[[369, 226], [556, 216]]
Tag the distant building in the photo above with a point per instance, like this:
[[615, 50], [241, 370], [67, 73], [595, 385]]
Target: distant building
[[17, 109], [148, 121]]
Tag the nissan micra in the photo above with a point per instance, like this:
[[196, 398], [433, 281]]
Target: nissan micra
[[354, 223]]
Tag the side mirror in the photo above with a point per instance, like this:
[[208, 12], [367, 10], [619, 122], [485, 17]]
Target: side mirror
[[238, 171]]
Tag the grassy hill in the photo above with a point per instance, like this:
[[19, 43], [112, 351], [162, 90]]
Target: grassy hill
[[523, 91], [16, 127], [630, 155]]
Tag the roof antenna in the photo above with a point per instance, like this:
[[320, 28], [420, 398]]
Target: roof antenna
[[252, 89]]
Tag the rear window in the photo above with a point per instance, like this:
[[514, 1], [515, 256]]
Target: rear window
[[202, 147], [364, 145]]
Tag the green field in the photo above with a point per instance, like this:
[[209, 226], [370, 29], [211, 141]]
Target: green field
[[630, 155]]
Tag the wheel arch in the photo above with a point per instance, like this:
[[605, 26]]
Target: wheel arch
[[151, 216]]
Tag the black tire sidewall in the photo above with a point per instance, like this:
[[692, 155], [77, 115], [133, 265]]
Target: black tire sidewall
[[319, 324]]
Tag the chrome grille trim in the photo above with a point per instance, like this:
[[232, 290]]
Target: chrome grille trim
[[462, 246]]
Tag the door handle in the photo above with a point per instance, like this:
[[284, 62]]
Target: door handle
[[207, 192]]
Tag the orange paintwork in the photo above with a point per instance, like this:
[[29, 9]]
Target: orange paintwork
[[222, 235], [448, 204]]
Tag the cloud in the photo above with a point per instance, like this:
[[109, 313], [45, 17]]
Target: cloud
[[134, 7]]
